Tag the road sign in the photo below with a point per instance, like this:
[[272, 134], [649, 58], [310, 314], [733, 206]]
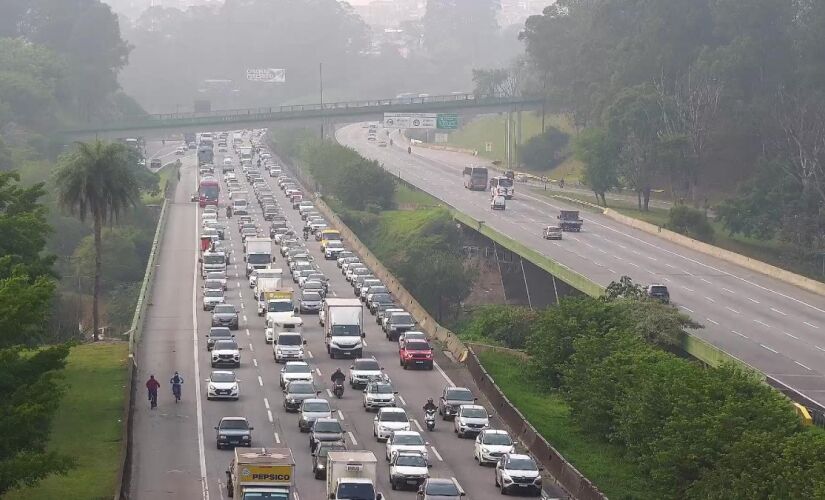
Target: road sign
[[447, 121], [266, 75], [410, 120]]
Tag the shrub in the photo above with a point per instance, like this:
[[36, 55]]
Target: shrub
[[507, 325], [690, 222], [545, 151]]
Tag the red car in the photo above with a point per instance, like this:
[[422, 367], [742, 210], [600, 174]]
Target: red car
[[416, 353]]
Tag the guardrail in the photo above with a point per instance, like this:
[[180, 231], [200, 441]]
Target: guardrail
[[554, 462], [135, 332]]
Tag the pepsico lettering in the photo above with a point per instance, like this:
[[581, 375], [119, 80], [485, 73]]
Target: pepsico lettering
[[271, 477]]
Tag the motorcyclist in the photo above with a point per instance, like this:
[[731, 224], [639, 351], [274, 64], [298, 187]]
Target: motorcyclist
[[409, 150], [176, 379], [153, 385], [338, 376], [229, 211], [429, 405], [306, 233]]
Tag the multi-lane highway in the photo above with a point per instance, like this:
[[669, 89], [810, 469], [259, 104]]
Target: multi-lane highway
[[773, 326], [174, 453]]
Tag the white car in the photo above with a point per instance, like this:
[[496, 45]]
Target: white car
[[378, 395], [288, 346], [332, 249], [222, 384], [389, 420], [295, 370], [219, 276], [408, 470], [365, 370], [311, 410], [226, 352], [520, 473], [491, 445], [211, 298], [406, 441], [498, 202], [470, 419], [227, 161]]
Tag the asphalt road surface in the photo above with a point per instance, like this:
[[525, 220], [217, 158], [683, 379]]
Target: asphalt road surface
[[174, 445], [773, 326]]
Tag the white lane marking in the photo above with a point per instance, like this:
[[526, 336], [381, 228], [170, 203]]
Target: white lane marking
[[803, 366], [670, 266], [732, 310], [243, 306], [196, 351], [269, 416], [404, 403], [601, 250], [652, 258], [634, 264], [255, 362], [759, 322], [309, 354], [791, 336], [329, 393], [706, 281], [778, 311], [247, 332], [436, 453], [238, 284], [437, 367], [266, 403], [364, 342], [277, 438], [352, 438], [728, 290], [709, 299], [417, 425], [753, 300], [710, 320], [768, 348], [612, 271], [318, 371], [687, 309], [340, 415], [688, 289], [809, 324], [240, 294], [740, 334], [296, 495], [251, 348], [244, 318], [260, 381]]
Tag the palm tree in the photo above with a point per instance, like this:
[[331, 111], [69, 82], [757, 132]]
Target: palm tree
[[96, 181]]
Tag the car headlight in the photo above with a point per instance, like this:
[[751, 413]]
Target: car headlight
[[211, 388], [537, 480], [246, 438], [321, 465], [222, 436]]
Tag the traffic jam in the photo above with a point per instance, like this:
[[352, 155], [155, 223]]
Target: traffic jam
[[276, 279]]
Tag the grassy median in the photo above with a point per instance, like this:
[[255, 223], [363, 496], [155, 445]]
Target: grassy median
[[600, 462], [87, 425]]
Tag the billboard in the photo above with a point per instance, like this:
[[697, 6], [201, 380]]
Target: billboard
[[266, 75]]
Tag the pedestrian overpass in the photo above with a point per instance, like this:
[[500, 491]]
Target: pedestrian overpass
[[159, 125]]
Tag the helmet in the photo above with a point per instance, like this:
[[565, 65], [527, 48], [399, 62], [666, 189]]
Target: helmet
[[429, 400]]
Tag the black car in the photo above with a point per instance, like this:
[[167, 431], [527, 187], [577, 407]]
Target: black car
[[658, 292], [296, 392], [453, 397], [439, 489], [325, 430], [225, 315], [380, 301], [319, 456], [233, 431], [218, 333]]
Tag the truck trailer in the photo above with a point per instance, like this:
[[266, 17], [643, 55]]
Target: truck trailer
[[261, 473]]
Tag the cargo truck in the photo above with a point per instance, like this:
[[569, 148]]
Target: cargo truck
[[258, 254], [262, 473], [264, 287], [343, 321], [351, 475], [280, 310]]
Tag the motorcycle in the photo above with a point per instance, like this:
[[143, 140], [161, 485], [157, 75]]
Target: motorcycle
[[338, 389], [176, 392], [153, 400], [429, 419]]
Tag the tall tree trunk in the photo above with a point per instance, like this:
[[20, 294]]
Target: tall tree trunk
[[646, 194], [639, 199], [96, 292]]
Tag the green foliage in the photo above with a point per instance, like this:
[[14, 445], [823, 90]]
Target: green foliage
[[124, 252], [624, 289], [510, 326], [545, 151], [597, 150], [690, 222]]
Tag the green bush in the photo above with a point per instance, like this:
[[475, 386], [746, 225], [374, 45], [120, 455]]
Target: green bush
[[509, 326], [545, 151], [690, 222]]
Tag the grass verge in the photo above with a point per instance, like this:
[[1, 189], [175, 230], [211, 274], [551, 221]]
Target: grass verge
[[87, 425], [156, 199], [408, 198], [600, 462]]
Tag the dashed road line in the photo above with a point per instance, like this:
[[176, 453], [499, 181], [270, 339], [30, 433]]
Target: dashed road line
[[753, 300], [760, 322], [768, 348], [438, 367], [247, 332], [706, 281], [803, 366], [728, 290], [269, 416], [340, 415], [266, 403], [778, 311], [260, 381], [791, 336], [732, 310], [352, 438], [436, 453], [740, 334], [277, 438], [255, 362], [417, 425], [612, 271], [711, 321], [809, 324], [404, 403], [251, 347], [318, 371], [687, 309], [709, 299], [691, 290], [329, 393]]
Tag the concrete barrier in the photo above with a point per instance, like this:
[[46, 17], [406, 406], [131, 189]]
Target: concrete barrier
[[565, 474], [734, 258]]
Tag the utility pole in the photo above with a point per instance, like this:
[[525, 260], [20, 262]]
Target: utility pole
[[321, 80]]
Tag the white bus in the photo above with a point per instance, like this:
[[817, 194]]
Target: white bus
[[502, 185]]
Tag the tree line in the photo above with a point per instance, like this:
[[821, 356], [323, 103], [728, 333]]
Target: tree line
[[696, 97], [696, 432]]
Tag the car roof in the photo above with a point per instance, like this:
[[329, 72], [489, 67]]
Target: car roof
[[234, 418], [407, 433], [495, 431], [316, 400], [472, 407], [293, 363], [392, 410], [519, 456]]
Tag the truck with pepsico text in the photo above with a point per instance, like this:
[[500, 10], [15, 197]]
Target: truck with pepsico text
[[261, 473]]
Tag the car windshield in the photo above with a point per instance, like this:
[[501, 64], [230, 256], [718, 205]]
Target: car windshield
[[497, 439], [221, 331], [279, 307], [411, 461], [408, 440], [301, 388], [378, 289], [442, 489], [311, 297], [327, 426], [334, 244], [216, 276], [394, 416], [382, 298], [367, 364], [417, 346], [316, 406], [223, 377], [234, 424], [290, 340], [401, 319], [214, 259], [225, 309], [258, 258], [213, 293], [213, 283], [410, 336], [460, 394], [324, 450], [658, 289], [300, 368], [226, 345], [474, 413], [381, 389], [521, 464], [345, 331], [356, 491]]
